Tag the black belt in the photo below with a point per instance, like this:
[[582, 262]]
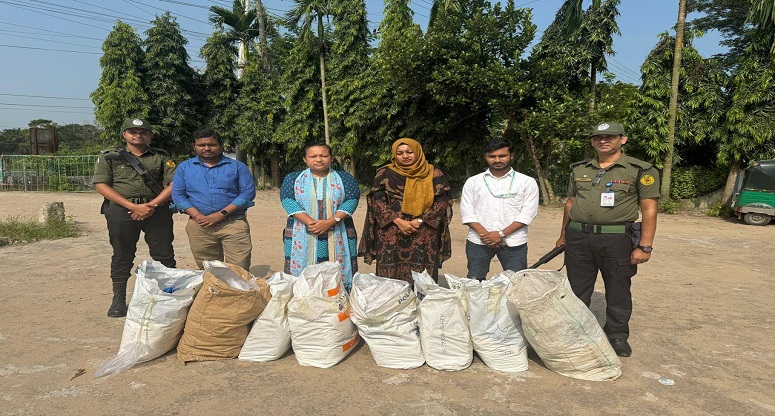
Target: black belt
[[598, 229], [142, 201]]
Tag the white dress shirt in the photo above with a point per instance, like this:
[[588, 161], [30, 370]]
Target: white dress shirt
[[497, 202]]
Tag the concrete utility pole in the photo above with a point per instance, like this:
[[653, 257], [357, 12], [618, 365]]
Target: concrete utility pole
[[241, 62], [242, 52]]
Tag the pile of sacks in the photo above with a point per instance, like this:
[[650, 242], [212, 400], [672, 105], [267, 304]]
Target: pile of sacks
[[224, 312]]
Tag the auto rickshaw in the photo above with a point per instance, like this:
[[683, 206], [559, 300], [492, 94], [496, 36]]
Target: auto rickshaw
[[754, 196]]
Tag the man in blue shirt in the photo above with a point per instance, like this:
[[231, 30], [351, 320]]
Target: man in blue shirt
[[215, 191]]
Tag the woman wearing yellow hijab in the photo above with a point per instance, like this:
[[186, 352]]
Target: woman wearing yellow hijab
[[408, 214]]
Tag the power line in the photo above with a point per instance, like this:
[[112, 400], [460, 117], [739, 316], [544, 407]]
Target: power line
[[637, 75], [49, 49], [45, 96], [43, 105], [48, 32], [49, 111], [46, 40]]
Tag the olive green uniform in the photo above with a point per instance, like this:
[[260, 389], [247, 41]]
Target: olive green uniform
[[600, 238], [112, 169]]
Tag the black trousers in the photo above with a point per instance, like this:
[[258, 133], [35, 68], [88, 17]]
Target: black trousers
[[585, 254], [124, 233]]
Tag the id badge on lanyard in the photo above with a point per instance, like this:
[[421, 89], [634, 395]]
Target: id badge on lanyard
[[608, 197]]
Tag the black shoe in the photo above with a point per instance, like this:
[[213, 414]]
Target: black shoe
[[621, 347], [118, 307]]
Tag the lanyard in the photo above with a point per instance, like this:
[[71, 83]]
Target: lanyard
[[506, 195]]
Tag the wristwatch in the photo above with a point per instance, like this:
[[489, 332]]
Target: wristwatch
[[646, 249], [419, 221], [224, 213], [500, 233], [337, 219]]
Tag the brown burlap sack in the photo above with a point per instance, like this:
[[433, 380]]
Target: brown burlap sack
[[220, 317]]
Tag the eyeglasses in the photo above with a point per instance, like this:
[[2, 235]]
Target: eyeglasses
[[600, 173]]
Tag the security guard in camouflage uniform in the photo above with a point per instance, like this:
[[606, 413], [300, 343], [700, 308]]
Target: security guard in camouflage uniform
[[131, 206], [599, 227]]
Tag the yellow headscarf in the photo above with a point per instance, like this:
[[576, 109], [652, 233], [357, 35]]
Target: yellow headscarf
[[418, 190]]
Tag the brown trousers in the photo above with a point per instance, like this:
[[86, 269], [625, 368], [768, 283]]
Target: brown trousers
[[227, 241]]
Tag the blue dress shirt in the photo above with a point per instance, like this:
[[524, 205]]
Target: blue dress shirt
[[211, 188]]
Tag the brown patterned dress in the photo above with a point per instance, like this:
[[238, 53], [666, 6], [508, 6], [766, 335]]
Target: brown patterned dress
[[398, 255]]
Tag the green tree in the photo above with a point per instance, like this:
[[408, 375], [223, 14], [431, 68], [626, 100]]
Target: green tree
[[762, 16], [261, 113], [42, 123], [744, 132], [551, 117], [476, 77], [303, 16], [120, 92], [220, 86], [349, 61], [593, 30], [79, 139], [169, 79], [700, 102], [14, 141], [393, 82], [301, 90]]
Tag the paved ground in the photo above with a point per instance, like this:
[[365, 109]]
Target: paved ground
[[704, 315]]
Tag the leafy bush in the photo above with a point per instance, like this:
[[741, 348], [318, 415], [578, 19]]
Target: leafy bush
[[668, 206], [691, 182], [720, 210]]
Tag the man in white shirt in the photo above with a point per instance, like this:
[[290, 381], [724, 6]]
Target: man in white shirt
[[498, 205]]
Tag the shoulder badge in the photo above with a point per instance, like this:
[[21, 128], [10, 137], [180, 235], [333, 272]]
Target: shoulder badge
[[647, 180], [170, 163]]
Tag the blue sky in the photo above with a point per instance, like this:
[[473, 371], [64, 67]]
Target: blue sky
[[50, 49]]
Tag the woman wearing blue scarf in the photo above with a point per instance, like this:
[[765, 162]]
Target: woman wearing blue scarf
[[320, 203]]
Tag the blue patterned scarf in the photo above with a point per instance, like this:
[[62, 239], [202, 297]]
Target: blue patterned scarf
[[304, 248]]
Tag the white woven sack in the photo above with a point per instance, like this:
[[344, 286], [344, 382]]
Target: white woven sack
[[561, 329], [384, 310], [496, 330], [155, 318], [270, 337], [322, 333], [444, 335]]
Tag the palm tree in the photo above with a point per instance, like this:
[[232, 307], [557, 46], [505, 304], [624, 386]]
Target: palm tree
[[308, 12], [673, 107], [242, 26], [594, 28]]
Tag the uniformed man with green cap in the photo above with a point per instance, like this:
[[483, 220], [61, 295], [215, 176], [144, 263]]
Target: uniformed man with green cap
[[600, 228], [135, 181]]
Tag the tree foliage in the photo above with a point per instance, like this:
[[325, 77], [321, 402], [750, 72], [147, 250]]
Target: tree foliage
[[219, 81], [349, 62], [169, 82], [120, 93]]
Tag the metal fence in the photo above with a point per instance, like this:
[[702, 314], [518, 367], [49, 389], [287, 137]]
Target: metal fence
[[46, 173]]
